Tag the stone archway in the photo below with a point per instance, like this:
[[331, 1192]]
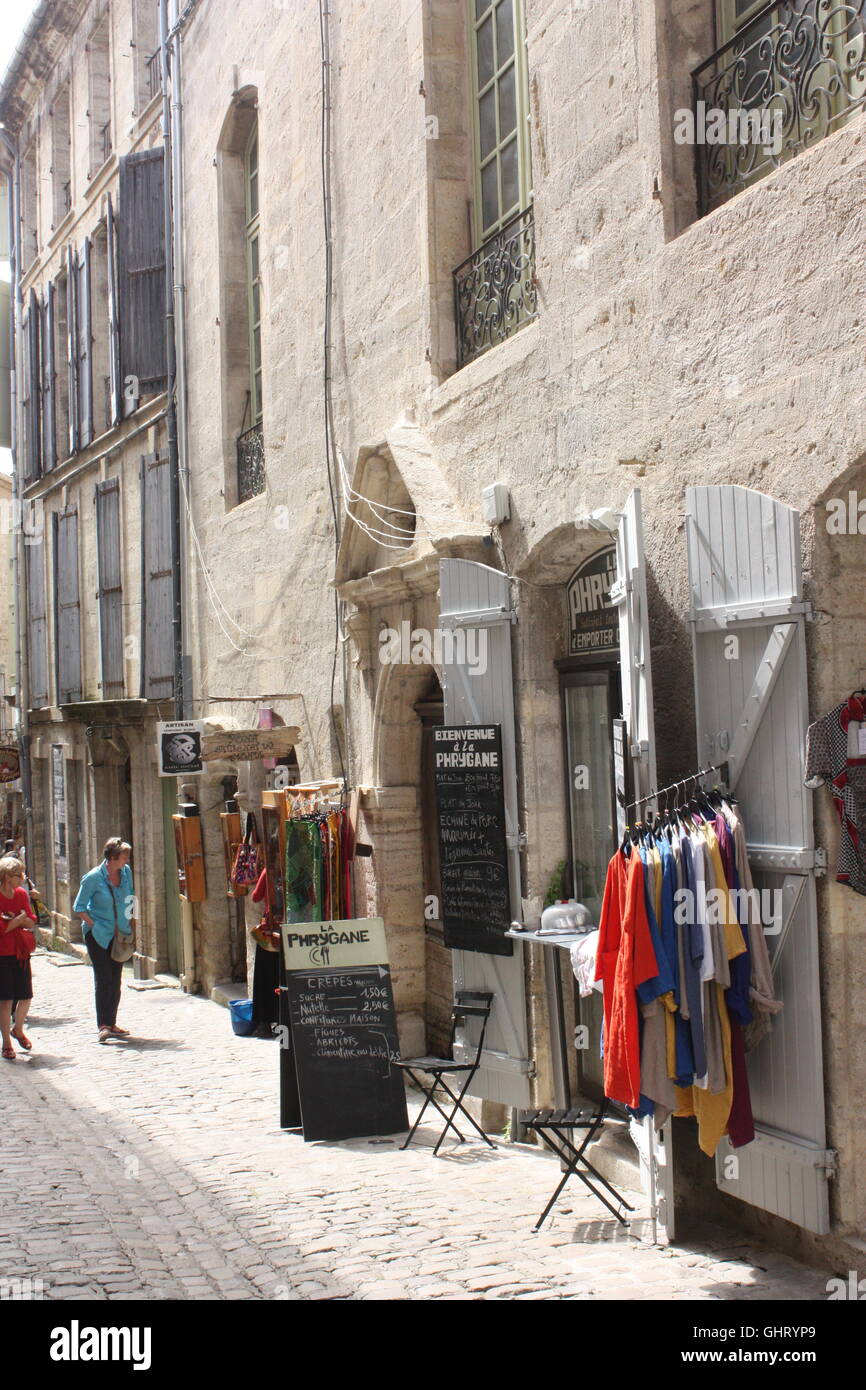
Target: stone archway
[[395, 821]]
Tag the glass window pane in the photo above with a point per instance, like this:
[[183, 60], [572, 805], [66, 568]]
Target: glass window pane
[[254, 258], [504, 31], [257, 306], [481, 7], [257, 351], [485, 53], [489, 195], [507, 104], [510, 181], [254, 196], [487, 121], [587, 717]]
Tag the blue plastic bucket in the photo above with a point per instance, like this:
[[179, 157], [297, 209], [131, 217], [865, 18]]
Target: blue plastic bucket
[[241, 1011]]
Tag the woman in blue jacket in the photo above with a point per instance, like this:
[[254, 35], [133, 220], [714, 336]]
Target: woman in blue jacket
[[105, 905]]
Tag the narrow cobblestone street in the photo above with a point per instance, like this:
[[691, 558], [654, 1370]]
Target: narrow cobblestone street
[[155, 1169]]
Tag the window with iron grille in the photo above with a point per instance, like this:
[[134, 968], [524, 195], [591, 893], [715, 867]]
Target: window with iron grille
[[61, 155], [251, 459], [784, 76], [495, 287], [99, 95]]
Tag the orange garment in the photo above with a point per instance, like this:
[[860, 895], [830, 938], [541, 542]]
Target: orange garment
[[625, 958]]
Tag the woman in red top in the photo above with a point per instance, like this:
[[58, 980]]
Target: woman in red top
[[15, 978]]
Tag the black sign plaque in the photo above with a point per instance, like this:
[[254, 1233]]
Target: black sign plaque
[[473, 856], [344, 1036]]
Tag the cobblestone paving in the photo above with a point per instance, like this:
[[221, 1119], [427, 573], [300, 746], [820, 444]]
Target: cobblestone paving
[[156, 1169]]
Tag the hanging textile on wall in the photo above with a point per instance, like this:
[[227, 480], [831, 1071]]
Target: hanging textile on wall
[[317, 877], [685, 971], [836, 757]]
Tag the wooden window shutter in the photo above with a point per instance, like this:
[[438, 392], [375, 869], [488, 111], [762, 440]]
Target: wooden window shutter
[[157, 676], [141, 269], [67, 609], [85, 349], [110, 592], [114, 364], [31, 391], [72, 346], [49, 427], [37, 625]]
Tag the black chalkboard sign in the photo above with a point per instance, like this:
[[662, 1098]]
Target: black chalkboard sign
[[473, 858], [344, 1037]]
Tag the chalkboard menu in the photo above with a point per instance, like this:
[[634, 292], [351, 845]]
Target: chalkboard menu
[[476, 904], [344, 1029]]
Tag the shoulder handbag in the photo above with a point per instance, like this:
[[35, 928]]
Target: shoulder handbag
[[248, 864], [122, 946]]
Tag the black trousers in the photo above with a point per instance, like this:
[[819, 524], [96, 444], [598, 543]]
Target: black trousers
[[106, 982]]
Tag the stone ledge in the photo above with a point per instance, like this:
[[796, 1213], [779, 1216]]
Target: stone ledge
[[226, 991]]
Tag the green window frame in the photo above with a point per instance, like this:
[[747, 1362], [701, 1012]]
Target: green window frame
[[500, 114], [254, 282]]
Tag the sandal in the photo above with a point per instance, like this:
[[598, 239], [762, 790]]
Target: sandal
[[119, 1032], [23, 1040], [9, 1054], [104, 1034]]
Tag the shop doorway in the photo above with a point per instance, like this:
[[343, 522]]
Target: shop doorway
[[437, 958], [169, 860]]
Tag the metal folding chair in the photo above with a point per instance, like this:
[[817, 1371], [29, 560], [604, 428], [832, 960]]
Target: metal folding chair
[[562, 1124], [468, 1003]]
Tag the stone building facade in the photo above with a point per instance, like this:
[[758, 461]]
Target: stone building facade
[[672, 316], [82, 102]]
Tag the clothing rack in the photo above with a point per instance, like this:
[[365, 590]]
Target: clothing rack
[[674, 786]]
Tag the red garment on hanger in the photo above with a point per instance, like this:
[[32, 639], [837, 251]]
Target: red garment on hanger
[[625, 958]]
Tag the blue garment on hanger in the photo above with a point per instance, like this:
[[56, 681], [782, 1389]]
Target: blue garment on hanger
[[693, 955], [664, 982]]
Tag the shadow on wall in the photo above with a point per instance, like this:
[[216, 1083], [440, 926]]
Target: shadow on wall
[[673, 685]]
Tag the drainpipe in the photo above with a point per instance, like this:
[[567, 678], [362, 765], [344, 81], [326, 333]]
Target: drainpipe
[[171, 372], [22, 667]]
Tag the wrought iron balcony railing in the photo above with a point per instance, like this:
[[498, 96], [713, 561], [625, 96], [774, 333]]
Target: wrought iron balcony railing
[[105, 140], [153, 64], [793, 74], [494, 289], [251, 464]]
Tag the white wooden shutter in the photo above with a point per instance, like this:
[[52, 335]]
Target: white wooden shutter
[[49, 441], [37, 624], [110, 593], [114, 364], [629, 596], [67, 610], [752, 710], [157, 673], [31, 392], [85, 349], [474, 596], [72, 346]]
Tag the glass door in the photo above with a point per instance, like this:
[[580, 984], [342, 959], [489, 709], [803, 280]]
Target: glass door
[[590, 702]]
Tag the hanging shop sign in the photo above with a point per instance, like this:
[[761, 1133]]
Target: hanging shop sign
[[593, 626], [10, 769], [470, 796], [249, 745], [180, 747], [343, 1029]]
